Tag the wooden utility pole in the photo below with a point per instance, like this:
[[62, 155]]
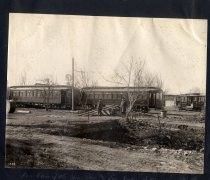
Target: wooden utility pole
[[72, 84]]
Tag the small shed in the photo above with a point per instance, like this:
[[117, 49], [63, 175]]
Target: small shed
[[170, 100]]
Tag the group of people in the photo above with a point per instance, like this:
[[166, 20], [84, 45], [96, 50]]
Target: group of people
[[123, 107]]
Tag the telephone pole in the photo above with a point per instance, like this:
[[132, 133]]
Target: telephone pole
[[72, 84]]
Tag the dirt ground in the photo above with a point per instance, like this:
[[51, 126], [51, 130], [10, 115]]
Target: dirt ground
[[61, 139]]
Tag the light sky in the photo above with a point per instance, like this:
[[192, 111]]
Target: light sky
[[44, 45]]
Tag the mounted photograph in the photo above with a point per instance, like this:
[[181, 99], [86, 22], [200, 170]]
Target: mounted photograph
[[106, 93]]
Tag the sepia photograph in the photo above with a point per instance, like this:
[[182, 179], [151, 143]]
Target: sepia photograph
[[106, 93]]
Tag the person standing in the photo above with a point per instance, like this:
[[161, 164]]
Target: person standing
[[123, 106], [99, 107]]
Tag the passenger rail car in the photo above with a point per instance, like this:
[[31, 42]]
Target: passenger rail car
[[58, 96], [194, 101], [148, 97]]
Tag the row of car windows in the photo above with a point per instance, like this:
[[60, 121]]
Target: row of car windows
[[195, 98], [93, 95], [104, 95], [35, 93]]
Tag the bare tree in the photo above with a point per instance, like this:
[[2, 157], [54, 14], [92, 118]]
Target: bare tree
[[68, 79], [130, 74], [152, 80], [82, 79], [149, 79], [85, 80], [158, 81], [47, 92]]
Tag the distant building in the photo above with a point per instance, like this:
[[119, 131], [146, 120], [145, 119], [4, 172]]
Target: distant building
[[170, 100]]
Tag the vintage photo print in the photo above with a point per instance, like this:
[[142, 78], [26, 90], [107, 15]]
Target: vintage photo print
[[106, 93]]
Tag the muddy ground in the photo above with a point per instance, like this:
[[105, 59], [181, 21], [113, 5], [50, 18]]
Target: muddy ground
[[61, 139]]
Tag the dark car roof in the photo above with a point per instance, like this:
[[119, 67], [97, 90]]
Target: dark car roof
[[101, 88], [192, 95], [29, 87]]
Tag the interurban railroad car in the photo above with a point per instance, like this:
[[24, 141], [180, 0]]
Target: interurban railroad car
[[148, 97], [192, 101], [60, 96], [56, 96]]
